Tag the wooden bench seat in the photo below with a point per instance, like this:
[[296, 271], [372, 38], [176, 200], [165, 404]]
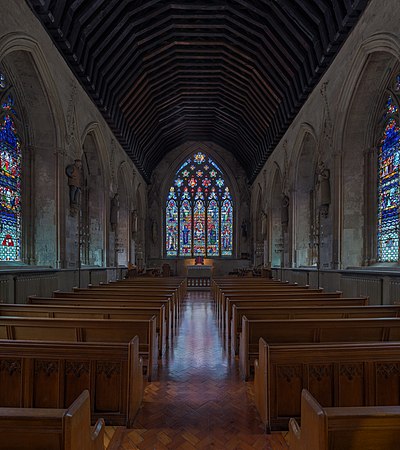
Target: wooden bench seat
[[283, 301], [311, 331], [303, 312], [154, 287], [123, 299], [337, 374], [91, 312], [51, 429], [49, 374], [273, 295], [86, 330], [299, 292], [351, 428]]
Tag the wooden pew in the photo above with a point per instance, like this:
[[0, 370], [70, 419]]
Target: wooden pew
[[266, 292], [311, 331], [86, 330], [123, 299], [51, 429], [48, 374], [276, 295], [288, 301], [303, 312], [337, 374], [58, 310], [178, 284], [351, 428]]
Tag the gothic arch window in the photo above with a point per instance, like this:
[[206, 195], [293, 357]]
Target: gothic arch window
[[389, 181], [10, 179], [199, 211]]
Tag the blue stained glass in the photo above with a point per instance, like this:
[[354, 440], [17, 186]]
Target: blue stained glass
[[199, 226], [213, 229], [188, 161], [185, 243], [2, 81], [10, 186], [171, 241], [388, 192], [198, 217]]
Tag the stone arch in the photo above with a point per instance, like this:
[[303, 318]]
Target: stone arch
[[95, 199], [304, 197], [123, 226], [258, 211], [171, 164], [42, 130], [140, 235], [276, 228], [355, 137]]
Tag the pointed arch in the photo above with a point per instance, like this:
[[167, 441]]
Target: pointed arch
[[199, 210], [357, 131], [305, 199], [276, 220], [42, 133]]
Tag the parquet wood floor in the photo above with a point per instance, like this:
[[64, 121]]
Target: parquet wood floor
[[198, 400]]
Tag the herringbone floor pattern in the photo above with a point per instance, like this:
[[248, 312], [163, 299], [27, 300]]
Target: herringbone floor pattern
[[198, 400]]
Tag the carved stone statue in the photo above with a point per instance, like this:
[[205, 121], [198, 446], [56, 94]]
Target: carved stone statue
[[263, 225], [134, 217], [75, 181], [244, 229], [324, 188], [285, 210], [154, 231], [114, 208]]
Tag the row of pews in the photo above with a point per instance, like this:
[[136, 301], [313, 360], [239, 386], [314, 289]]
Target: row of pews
[[306, 346], [82, 354]]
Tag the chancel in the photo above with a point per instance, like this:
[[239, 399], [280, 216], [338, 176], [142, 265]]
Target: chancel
[[199, 239]]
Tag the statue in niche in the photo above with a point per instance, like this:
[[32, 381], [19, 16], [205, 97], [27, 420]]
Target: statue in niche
[[75, 181], [244, 229], [134, 217], [285, 210], [323, 174], [114, 208], [154, 231], [263, 225]]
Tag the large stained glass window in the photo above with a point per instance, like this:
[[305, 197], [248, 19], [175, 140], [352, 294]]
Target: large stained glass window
[[199, 211], [10, 181], [388, 186]]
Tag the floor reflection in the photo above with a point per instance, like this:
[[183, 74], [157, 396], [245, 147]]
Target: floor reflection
[[198, 400]]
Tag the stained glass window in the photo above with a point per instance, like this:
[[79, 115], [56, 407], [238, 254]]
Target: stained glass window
[[200, 220], [388, 186], [10, 182]]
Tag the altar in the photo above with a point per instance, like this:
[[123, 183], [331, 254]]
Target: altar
[[199, 277]]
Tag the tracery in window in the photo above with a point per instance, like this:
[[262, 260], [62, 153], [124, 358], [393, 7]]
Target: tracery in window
[[199, 211], [10, 180], [388, 186]]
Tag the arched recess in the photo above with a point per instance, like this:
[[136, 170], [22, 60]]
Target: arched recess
[[139, 235], [122, 230], [231, 174], [357, 185], [259, 227], [277, 232], [93, 200], [305, 199], [41, 129]]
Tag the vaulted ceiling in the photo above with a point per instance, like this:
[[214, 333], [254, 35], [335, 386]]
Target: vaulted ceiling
[[163, 72]]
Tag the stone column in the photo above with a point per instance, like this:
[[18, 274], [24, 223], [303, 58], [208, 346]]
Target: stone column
[[337, 212]]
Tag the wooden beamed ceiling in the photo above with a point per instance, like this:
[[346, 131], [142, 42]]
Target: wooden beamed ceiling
[[164, 72]]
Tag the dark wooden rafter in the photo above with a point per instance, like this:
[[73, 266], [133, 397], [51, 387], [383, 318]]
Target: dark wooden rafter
[[163, 72]]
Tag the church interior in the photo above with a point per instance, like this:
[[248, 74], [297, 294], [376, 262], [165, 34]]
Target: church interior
[[199, 240]]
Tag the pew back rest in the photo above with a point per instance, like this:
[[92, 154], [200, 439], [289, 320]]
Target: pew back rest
[[344, 428], [51, 429]]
